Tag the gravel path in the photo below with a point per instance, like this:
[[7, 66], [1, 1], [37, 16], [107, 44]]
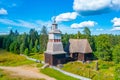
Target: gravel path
[[25, 71]]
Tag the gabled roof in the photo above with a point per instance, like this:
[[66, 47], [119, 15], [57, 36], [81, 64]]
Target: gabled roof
[[78, 46]]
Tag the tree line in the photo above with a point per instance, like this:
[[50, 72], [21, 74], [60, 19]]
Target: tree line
[[105, 46], [26, 43]]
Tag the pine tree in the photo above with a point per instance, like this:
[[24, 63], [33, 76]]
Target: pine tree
[[43, 39], [22, 48], [26, 52], [116, 54]]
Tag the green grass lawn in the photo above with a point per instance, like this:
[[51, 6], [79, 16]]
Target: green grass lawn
[[10, 59], [105, 72], [56, 74], [37, 56]]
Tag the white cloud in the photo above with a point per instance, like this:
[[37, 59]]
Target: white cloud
[[116, 23], [116, 29], [46, 23], [9, 27], [83, 24], [66, 16], [3, 11], [116, 4], [90, 4], [91, 7], [3, 33], [19, 23], [26, 24]]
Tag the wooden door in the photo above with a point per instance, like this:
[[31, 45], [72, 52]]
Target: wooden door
[[81, 57]]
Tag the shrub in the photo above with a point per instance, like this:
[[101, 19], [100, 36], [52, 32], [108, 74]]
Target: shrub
[[104, 66], [26, 52], [117, 73]]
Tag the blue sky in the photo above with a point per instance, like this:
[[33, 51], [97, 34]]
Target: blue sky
[[100, 16]]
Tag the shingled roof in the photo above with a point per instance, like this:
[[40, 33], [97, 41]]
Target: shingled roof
[[78, 46], [55, 48]]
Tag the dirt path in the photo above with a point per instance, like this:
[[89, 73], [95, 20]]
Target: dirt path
[[25, 71]]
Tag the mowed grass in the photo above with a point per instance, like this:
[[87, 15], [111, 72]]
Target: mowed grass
[[88, 70], [56, 74], [10, 59]]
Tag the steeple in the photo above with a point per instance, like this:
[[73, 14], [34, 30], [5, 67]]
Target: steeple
[[54, 28], [54, 43], [54, 25]]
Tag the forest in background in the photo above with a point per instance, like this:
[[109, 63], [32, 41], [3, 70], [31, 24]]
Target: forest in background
[[105, 47]]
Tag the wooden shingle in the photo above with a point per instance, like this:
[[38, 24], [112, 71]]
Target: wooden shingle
[[78, 46]]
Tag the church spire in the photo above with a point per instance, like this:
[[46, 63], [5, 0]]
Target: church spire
[[54, 24]]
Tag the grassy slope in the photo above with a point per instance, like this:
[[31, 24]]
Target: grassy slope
[[56, 74], [88, 70], [8, 59], [37, 56]]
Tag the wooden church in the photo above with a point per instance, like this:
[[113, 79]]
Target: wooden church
[[77, 49], [55, 54]]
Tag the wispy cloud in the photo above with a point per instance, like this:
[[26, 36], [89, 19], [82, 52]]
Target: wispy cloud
[[116, 23], [9, 27], [12, 5], [83, 24], [19, 23], [94, 7], [116, 29], [3, 33], [37, 24], [3, 11]]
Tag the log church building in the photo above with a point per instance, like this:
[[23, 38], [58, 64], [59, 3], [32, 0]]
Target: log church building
[[76, 49]]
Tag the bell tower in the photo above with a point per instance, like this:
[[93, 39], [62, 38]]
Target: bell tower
[[54, 54], [54, 34]]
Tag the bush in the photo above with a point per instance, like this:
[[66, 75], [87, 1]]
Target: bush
[[116, 54], [104, 66], [26, 52], [117, 73]]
